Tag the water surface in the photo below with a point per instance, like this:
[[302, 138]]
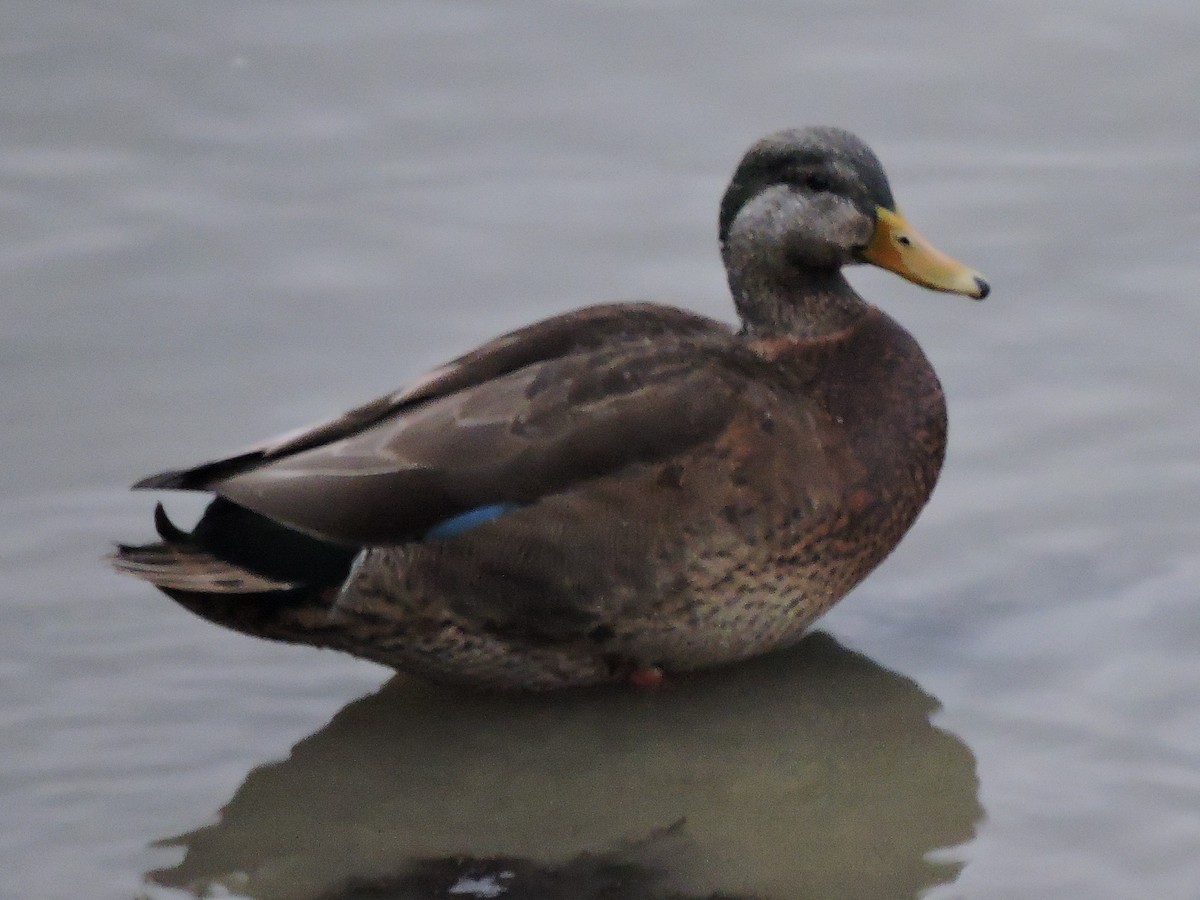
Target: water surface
[[223, 220]]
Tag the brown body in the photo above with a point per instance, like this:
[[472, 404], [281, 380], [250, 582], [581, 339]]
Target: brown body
[[675, 494], [728, 549]]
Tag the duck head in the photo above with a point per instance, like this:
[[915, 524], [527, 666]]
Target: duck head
[[805, 202]]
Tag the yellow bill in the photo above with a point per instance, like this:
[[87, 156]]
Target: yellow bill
[[900, 248]]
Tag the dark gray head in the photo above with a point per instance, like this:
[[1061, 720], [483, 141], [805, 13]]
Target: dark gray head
[[819, 164], [808, 200]]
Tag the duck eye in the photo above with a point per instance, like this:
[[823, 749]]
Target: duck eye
[[817, 182]]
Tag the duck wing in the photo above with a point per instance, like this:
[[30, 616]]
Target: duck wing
[[525, 415]]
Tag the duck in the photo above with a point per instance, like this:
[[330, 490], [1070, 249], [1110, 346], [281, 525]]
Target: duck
[[618, 493]]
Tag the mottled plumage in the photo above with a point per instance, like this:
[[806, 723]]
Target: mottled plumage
[[622, 488]]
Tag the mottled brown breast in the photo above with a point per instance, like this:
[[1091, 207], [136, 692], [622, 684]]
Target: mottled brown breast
[[811, 485], [884, 403]]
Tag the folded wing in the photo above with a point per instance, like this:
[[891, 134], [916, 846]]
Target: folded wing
[[528, 414]]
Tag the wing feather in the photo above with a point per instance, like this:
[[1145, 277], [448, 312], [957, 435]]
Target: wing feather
[[551, 338], [509, 440], [526, 415]]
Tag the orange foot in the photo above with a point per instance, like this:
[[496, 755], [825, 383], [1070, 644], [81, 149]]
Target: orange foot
[[647, 679]]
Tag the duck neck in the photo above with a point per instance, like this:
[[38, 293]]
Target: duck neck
[[803, 303]]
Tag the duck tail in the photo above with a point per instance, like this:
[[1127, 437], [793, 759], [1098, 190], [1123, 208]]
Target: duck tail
[[179, 563], [242, 571]]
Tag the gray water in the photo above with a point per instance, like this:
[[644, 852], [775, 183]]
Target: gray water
[[221, 220]]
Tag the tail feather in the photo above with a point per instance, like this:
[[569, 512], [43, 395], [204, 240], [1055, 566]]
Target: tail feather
[[184, 567], [181, 563], [242, 571]]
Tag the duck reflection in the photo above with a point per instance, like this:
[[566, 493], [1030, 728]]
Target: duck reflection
[[812, 772]]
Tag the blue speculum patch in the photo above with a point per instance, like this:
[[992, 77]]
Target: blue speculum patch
[[456, 525]]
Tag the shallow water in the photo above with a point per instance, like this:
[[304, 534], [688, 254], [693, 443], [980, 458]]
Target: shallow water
[[224, 220]]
